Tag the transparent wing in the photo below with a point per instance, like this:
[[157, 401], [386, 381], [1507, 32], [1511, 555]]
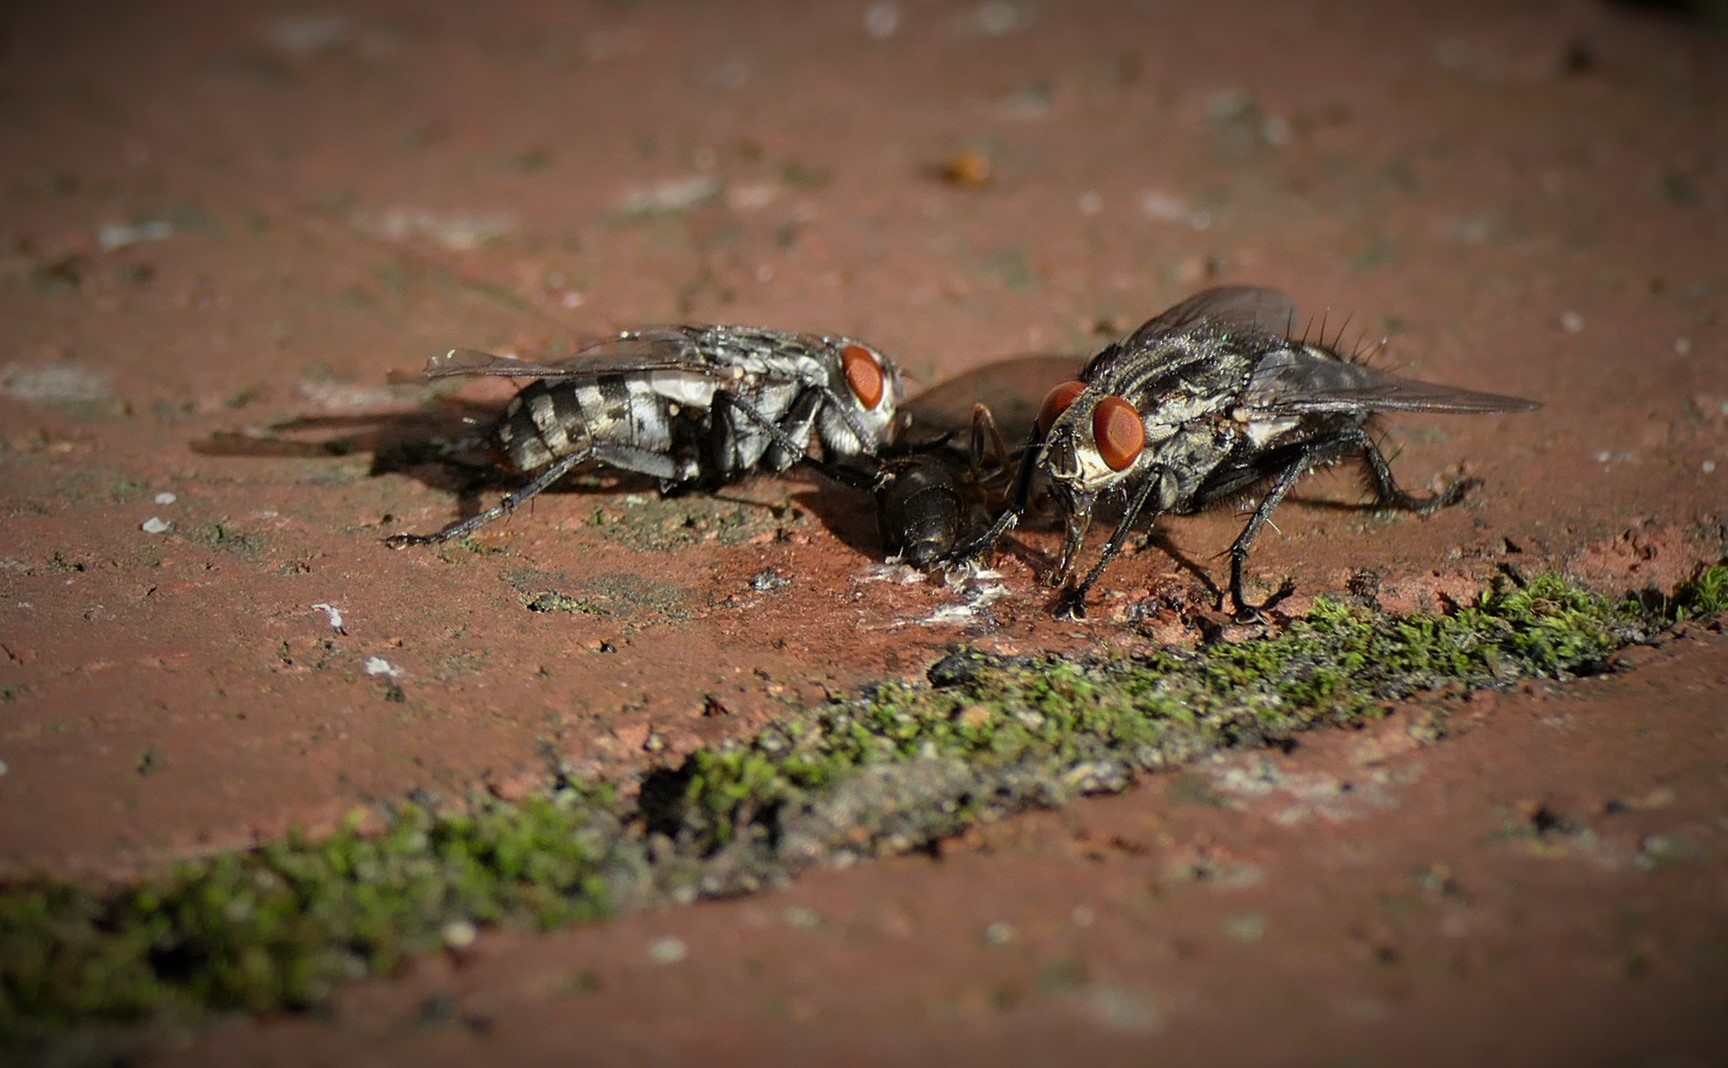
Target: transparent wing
[[1300, 381], [1012, 389], [672, 348], [1228, 308]]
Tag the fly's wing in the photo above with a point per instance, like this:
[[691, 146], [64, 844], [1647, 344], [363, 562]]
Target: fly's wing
[[1304, 381], [1226, 309], [669, 349], [1254, 310], [1012, 389]]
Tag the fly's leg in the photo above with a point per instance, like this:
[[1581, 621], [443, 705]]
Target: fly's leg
[[1250, 613], [623, 457], [726, 402], [1387, 488], [985, 543], [985, 443], [1072, 603], [465, 527]]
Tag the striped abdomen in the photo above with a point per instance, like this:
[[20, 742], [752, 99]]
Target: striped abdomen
[[552, 419]]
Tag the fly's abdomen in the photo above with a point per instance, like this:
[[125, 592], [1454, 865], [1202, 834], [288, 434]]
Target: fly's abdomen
[[545, 422], [550, 420], [925, 505]]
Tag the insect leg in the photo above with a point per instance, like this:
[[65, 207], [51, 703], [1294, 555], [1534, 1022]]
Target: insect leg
[[978, 547], [1304, 462], [725, 402], [1072, 603], [986, 443], [1387, 489], [509, 504], [1319, 452]]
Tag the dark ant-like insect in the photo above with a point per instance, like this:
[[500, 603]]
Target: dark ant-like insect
[[941, 486]]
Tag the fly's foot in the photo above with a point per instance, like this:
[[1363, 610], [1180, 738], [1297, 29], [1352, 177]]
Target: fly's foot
[[1250, 613], [403, 541], [1454, 492]]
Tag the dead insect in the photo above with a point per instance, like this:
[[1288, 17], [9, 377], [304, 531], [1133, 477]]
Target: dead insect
[[689, 405], [930, 497], [1212, 400], [942, 488]]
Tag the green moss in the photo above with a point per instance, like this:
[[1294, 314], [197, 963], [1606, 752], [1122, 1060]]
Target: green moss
[[280, 926], [893, 768]]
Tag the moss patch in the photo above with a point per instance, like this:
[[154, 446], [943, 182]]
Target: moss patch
[[890, 769]]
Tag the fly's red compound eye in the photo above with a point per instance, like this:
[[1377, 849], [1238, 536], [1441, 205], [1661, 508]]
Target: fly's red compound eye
[[863, 374], [1056, 402], [1120, 434]]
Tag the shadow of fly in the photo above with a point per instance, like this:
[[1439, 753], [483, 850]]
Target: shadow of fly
[[691, 406], [1210, 401]]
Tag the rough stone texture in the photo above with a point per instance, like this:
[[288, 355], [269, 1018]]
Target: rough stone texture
[[221, 217]]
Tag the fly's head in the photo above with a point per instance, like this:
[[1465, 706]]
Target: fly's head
[[1092, 440], [870, 390]]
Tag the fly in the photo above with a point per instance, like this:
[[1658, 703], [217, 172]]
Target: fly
[[689, 405], [1209, 401], [930, 497], [942, 491]]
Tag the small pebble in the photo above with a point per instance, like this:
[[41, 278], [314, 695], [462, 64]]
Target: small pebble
[[165, 498], [154, 525]]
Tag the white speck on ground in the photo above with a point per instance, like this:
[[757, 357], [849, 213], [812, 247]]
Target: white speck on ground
[[459, 934], [115, 237], [336, 624], [881, 20], [672, 195], [461, 232], [56, 383], [668, 950]]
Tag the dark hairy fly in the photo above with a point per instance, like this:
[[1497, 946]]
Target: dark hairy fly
[[1212, 400], [693, 406]]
